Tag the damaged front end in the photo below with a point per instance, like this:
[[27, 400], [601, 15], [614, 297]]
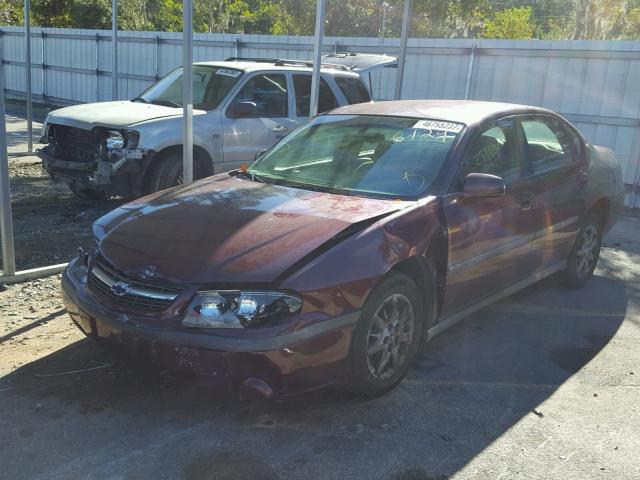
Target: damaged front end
[[100, 160]]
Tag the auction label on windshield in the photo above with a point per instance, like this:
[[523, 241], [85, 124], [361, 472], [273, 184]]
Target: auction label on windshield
[[228, 72], [437, 125]]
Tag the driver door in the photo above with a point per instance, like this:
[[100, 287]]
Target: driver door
[[256, 118], [489, 237]]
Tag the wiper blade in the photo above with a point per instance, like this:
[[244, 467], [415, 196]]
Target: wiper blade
[[166, 103], [141, 100]]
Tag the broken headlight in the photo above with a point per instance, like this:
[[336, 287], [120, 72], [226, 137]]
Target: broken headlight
[[114, 140], [238, 309]]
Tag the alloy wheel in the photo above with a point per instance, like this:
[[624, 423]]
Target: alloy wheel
[[390, 336], [587, 250]]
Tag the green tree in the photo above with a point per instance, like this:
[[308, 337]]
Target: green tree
[[91, 14], [51, 13], [11, 12], [510, 23]]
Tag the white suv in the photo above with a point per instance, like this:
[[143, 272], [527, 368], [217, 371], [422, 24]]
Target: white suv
[[242, 106]]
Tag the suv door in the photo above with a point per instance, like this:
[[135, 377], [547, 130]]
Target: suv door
[[256, 117], [302, 89], [555, 162], [489, 237]]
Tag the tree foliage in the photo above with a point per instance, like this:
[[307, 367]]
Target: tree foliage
[[510, 23], [552, 19]]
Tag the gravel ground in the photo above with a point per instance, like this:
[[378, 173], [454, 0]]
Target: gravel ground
[[49, 222]]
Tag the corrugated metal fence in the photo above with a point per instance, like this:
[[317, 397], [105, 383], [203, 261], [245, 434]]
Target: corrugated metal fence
[[595, 84]]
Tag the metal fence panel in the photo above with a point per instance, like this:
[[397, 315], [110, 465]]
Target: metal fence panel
[[595, 84]]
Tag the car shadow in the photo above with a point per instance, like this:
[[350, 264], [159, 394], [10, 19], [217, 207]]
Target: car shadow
[[468, 387]]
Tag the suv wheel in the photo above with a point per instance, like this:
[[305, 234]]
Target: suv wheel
[[584, 256], [387, 337], [168, 173]]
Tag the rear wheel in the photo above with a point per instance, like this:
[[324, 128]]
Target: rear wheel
[[584, 256], [387, 336], [168, 173]]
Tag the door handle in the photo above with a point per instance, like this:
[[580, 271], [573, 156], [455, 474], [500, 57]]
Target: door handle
[[279, 129], [525, 202]]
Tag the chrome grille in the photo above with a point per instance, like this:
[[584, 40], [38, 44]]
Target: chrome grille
[[119, 289]]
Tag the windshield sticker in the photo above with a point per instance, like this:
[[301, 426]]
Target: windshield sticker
[[436, 125], [227, 72]]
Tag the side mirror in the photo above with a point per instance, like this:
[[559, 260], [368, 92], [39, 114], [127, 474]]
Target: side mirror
[[483, 185], [243, 110]]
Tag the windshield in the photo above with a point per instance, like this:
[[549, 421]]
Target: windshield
[[210, 85], [361, 154]]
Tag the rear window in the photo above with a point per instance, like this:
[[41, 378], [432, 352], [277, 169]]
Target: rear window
[[353, 89]]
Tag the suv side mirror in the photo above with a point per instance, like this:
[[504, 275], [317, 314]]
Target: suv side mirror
[[483, 185], [243, 110]]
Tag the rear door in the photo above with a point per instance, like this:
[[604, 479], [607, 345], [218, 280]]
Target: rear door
[[555, 163], [489, 238], [244, 135], [302, 91]]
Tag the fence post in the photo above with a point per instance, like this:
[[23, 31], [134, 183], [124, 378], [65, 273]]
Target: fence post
[[27, 66], [187, 91], [97, 67], [114, 37], [156, 71], [317, 58], [44, 66], [404, 35], [467, 88], [6, 221]]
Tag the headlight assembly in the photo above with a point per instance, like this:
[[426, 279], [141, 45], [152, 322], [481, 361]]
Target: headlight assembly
[[240, 309], [114, 140]]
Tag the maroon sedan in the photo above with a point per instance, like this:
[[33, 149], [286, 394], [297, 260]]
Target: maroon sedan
[[361, 233]]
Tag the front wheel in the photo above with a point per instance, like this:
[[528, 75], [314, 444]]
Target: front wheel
[[584, 256], [168, 173], [387, 337]]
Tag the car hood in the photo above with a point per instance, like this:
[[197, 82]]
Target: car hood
[[228, 231], [110, 114]]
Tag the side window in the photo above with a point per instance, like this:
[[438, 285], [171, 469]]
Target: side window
[[353, 89], [262, 96], [493, 151], [302, 89], [548, 145]]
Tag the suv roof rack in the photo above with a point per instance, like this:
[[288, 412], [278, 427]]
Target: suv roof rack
[[280, 62]]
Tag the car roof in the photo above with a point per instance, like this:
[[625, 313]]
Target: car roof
[[469, 112], [249, 66]]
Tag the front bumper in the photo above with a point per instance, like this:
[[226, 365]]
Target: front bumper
[[306, 358]]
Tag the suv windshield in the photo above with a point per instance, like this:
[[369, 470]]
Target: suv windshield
[[361, 154], [210, 85]]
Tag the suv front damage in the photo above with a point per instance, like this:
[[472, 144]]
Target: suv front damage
[[92, 161]]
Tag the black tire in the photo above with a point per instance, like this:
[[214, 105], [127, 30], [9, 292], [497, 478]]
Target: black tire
[[168, 173], [370, 375], [585, 253], [85, 194]]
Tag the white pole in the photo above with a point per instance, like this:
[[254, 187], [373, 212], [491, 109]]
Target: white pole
[[6, 222], [187, 91], [403, 47], [114, 39], [317, 58], [27, 66], [467, 88]]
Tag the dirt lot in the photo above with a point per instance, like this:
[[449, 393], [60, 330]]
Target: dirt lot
[[49, 223], [543, 385]]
